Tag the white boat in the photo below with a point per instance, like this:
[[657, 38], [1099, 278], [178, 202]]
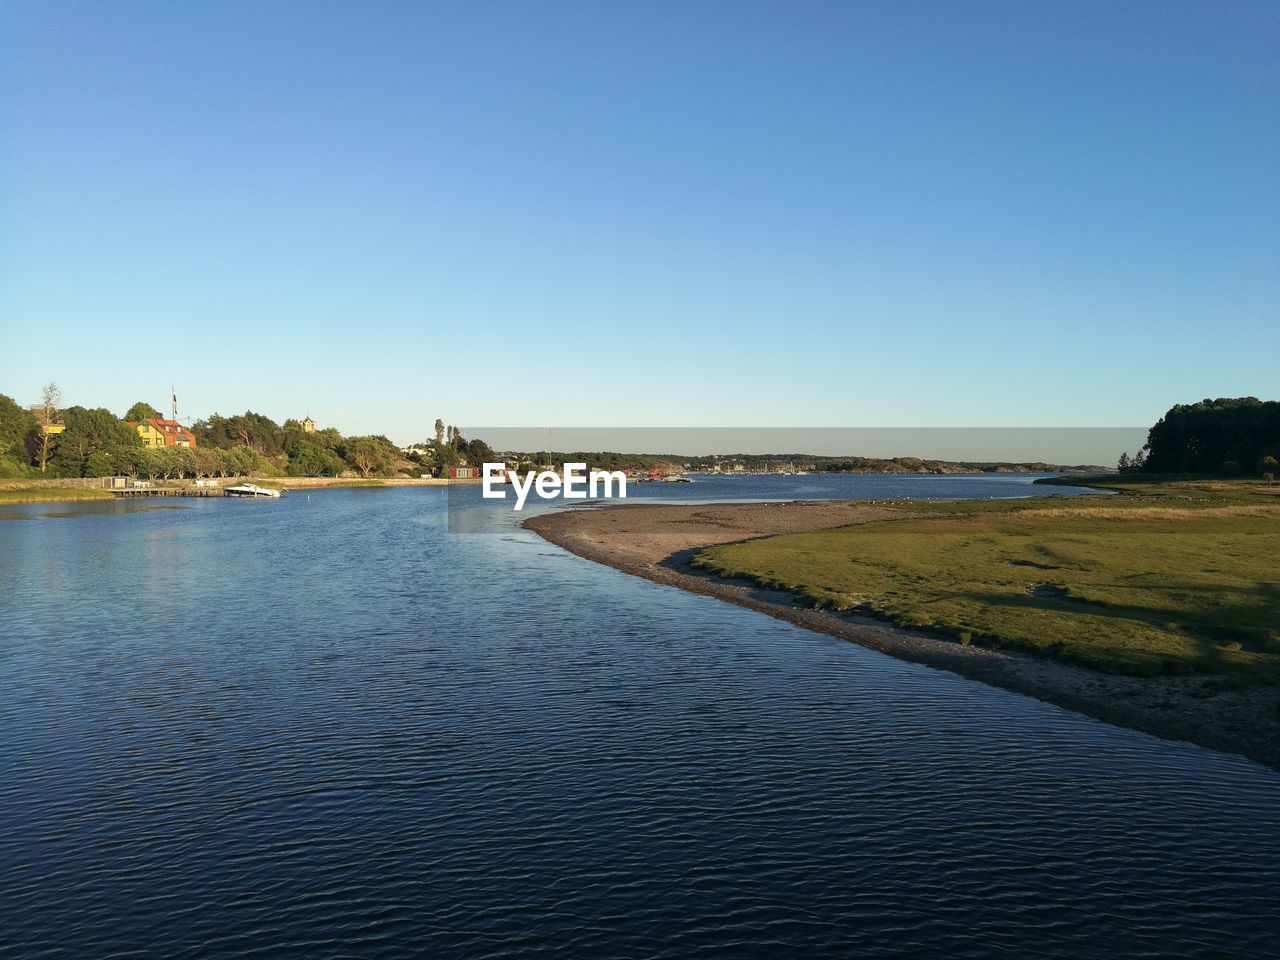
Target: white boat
[[251, 490], [676, 480]]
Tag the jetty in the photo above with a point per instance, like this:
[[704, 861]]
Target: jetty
[[128, 493], [123, 489]]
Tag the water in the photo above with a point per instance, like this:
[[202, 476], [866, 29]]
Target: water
[[322, 727], [839, 486], [469, 513]]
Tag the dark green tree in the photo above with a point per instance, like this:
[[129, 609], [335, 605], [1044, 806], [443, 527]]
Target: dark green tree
[[310, 460], [17, 426], [248, 429], [93, 431], [1205, 437], [140, 411], [478, 452]]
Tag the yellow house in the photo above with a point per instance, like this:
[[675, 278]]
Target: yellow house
[[151, 437], [157, 432], [308, 425]]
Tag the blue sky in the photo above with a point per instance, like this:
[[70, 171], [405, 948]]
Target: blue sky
[[845, 214]]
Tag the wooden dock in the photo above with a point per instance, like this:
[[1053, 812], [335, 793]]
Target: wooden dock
[[130, 493]]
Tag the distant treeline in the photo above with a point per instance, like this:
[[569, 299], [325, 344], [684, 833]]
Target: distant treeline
[[756, 463], [1226, 437], [916, 465], [327, 452], [852, 464]]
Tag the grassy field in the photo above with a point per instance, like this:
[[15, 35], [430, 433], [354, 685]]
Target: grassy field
[[32, 494], [1164, 578]]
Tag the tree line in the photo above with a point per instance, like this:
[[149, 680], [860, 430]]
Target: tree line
[[97, 443], [1228, 437]]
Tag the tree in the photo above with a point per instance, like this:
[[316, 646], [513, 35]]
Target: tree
[[1124, 465], [93, 431], [369, 455], [329, 438], [309, 460], [1205, 437], [135, 462], [248, 429], [17, 425], [439, 433], [446, 456], [478, 452], [48, 415], [176, 462], [140, 411]]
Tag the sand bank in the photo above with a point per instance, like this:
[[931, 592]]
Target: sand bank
[[657, 541]]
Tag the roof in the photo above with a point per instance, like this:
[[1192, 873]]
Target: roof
[[169, 428]]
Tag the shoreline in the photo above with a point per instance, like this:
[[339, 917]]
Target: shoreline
[[13, 492], [656, 542]]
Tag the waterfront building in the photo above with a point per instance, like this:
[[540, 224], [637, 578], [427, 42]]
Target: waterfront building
[[158, 432]]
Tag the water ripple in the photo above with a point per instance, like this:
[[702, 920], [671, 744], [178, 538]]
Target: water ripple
[[328, 729]]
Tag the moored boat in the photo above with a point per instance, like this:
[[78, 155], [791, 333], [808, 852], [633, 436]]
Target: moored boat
[[251, 490]]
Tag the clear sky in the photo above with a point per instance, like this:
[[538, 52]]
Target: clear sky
[[745, 214]]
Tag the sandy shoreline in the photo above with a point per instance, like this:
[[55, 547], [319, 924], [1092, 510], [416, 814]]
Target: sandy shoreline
[[656, 542]]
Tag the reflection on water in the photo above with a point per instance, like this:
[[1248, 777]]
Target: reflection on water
[[323, 726]]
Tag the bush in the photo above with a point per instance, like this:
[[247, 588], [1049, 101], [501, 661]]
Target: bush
[[12, 470]]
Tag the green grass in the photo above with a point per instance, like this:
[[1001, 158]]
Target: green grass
[[49, 494], [1165, 488], [1132, 584]]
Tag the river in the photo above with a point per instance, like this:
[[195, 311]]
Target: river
[[325, 726]]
